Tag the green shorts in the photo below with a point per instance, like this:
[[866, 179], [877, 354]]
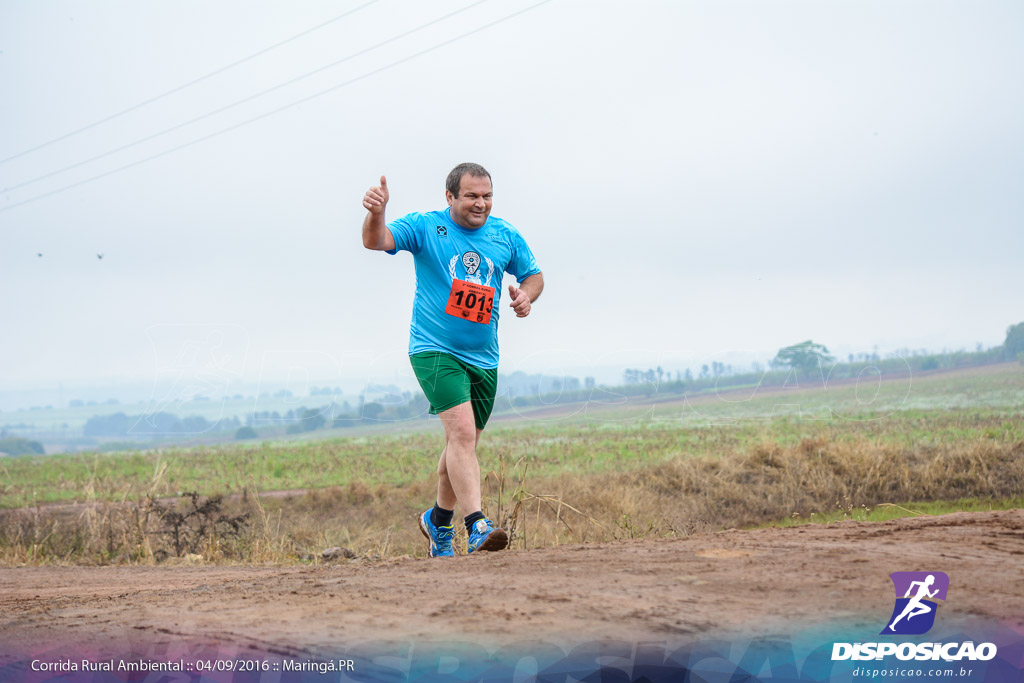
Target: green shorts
[[448, 382]]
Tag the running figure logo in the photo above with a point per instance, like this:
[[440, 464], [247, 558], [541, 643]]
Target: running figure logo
[[914, 612]]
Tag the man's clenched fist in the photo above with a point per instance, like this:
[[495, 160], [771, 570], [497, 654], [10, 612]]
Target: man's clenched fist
[[520, 301]]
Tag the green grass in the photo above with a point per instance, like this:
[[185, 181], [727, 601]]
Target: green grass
[[994, 387], [883, 512]]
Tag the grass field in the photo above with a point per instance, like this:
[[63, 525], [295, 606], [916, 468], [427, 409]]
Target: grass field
[[607, 468]]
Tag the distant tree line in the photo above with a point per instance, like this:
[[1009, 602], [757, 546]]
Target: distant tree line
[[16, 445], [522, 384], [120, 424]]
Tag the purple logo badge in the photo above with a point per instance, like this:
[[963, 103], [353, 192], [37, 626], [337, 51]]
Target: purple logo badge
[[916, 593]]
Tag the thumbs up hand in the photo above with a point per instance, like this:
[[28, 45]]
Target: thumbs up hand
[[376, 198], [520, 301]]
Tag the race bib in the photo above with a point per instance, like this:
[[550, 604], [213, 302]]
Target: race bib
[[470, 301]]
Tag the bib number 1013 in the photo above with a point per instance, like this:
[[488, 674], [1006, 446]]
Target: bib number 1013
[[470, 301]]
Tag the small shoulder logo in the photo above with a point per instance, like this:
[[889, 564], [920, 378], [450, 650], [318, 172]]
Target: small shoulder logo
[[914, 612], [442, 231]]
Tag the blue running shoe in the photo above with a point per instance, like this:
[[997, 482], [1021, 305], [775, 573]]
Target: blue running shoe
[[485, 536], [440, 537]]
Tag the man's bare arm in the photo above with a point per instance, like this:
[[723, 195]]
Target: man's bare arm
[[533, 286], [376, 234]]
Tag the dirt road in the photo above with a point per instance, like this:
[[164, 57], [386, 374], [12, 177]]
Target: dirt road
[[708, 585]]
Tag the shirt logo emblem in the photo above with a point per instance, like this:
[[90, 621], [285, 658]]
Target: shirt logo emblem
[[471, 260], [442, 231]]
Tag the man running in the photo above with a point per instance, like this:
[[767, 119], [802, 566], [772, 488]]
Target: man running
[[915, 607], [460, 255]]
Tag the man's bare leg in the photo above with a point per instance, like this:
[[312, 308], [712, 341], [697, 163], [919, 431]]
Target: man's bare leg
[[458, 469], [459, 478], [455, 486]]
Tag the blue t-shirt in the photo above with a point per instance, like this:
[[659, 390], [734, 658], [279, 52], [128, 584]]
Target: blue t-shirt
[[444, 251]]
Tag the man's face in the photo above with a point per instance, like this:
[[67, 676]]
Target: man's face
[[473, 205]]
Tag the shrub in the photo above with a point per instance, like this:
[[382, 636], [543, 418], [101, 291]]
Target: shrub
[[16, 445], [245, 433]]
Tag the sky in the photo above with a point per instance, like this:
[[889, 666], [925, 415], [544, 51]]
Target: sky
[[699, 181]]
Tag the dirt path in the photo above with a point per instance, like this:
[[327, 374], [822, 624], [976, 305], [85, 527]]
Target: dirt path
[[701, 586]]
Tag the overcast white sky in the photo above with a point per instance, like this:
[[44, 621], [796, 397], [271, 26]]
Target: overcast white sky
[[698, 180]]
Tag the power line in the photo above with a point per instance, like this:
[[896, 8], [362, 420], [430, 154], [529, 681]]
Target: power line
[[279, 109], [238, 102], [189, 84]]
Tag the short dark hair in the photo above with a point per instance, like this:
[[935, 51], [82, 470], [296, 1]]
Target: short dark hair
[[454, 182]]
